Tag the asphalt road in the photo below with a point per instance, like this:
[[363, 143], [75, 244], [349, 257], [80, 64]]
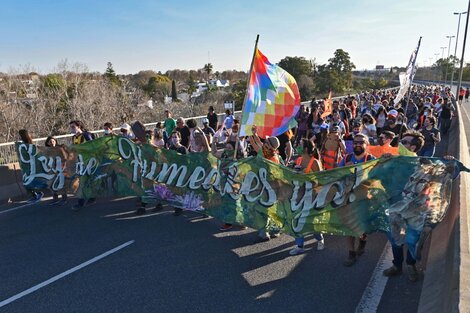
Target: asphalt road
[[177, 264]]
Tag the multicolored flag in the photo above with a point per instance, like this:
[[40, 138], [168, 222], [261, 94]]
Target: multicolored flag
[[272, 101], [328, 106]]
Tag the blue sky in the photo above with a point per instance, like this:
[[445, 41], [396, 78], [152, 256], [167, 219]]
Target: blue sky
[[181, 34]]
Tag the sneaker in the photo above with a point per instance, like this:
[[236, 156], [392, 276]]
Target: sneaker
[[264, 236], [362, 246], [77, 207], [36, 197], [351, 259], [392, 271], [412, 273], [296, 251], [225, 227], [39, 195], [321, 245], [140, 211]]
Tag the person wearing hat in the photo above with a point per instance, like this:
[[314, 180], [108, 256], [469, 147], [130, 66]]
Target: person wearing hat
[[126, 131], [393, 126], [269, 149], [207, 130], [332, 148]]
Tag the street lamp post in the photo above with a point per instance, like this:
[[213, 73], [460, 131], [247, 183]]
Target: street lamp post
[[463, 49], [435, 71], [455, 51], [442, 56], [448, 54]]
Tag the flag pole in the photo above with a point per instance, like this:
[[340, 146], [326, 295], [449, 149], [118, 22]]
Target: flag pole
[[246, 95], [411, 85]]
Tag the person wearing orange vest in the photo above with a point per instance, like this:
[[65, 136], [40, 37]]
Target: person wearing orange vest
[[269, 149], [359, 155], [384, 140], [332, 149], [308, 163]]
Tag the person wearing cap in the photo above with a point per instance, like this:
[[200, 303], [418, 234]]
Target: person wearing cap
[[269, 149], [332, 148], [126, 131], [207, 129], [393, 126]]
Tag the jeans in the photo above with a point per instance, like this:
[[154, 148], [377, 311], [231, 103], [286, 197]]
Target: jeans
[[411, 238], [445, 125], [427, 151], [299, 241]]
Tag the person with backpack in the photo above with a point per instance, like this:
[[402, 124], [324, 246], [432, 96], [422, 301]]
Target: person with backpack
[[359, 155], [80, 134]]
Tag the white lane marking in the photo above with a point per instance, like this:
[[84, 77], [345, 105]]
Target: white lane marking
[[375, 288], [68, 272], [16, 208], [25, 205]]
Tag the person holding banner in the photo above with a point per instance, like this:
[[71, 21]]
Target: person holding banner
[[359, 155], [413, 141], [81, 135], [308, 162]]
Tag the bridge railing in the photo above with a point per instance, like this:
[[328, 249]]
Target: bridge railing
[[8, 152]]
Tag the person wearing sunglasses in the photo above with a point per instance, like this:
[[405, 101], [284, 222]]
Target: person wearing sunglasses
[[359, 155]]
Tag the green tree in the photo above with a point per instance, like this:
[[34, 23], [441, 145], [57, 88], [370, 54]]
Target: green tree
[[174, 94], [110, 74], [336, 75], [54, 82], [238, 93], [306, 87], [208, 69], [296, 66], [158, 87], [327, 80]]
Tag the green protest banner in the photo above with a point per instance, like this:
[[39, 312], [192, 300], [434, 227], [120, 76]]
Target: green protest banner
[[253, 191]]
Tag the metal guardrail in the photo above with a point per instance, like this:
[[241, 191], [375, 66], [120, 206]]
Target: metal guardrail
[[8, 152]]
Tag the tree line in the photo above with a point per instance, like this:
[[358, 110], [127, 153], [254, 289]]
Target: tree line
[[44, 104]]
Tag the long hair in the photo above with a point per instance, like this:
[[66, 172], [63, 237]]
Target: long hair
[[25, 136]]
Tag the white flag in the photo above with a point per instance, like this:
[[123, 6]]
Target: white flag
[[407, 79]]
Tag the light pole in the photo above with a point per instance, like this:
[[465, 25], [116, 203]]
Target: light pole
[[463, 49], [435, 71], [430, 69], [442, 58], [448, 54], [455, 52]]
